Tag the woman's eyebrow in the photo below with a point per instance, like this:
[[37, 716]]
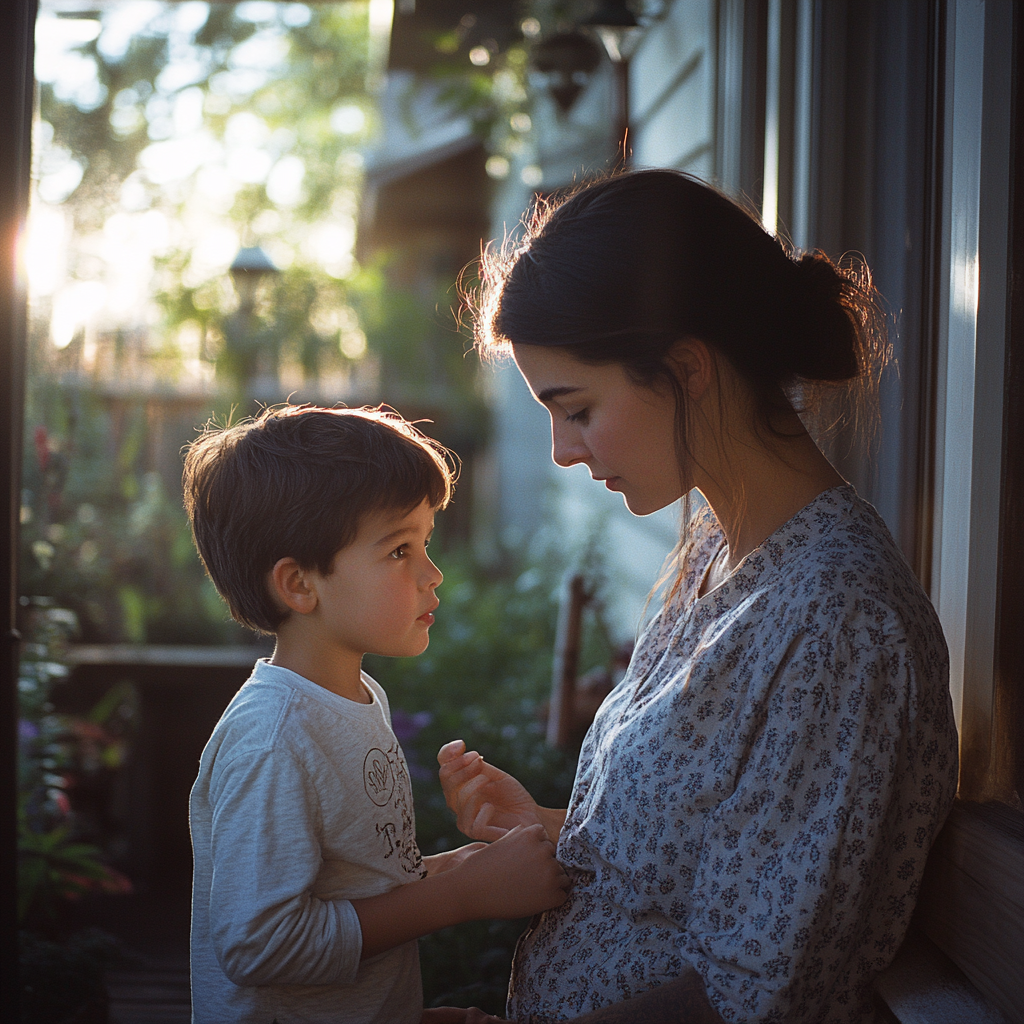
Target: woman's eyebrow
[[548, 394]]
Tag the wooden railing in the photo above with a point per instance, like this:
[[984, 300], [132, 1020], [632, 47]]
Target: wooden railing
[[181, 693]]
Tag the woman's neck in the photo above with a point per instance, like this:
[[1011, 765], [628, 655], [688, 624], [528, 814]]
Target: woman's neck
[[755, 485]]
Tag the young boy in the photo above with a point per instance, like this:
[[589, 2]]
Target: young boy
[[309, 889]]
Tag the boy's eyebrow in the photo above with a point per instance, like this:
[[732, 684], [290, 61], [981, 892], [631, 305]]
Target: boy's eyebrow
[[394, 534], [549, 394]]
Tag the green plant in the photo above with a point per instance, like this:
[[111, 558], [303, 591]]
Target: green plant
[[53, 867], [60, 981], [103, 532], [55, 864]]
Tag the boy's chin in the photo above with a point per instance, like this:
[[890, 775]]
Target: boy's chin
[[409, 650]]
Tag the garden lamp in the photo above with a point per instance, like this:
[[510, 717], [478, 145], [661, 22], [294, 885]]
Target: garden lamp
[[617, 28], [249, 267]]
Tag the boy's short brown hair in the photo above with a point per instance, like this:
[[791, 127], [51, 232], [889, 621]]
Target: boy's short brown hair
[[296, 481]]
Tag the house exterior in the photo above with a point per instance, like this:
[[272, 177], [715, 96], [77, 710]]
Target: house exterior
[[820, 121]]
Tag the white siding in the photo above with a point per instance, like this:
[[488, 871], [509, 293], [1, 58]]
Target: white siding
[[672, 82]]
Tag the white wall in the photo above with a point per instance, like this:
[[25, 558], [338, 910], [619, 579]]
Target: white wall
[[672, 91]]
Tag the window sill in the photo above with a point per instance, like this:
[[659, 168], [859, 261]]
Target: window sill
[[961, 961]]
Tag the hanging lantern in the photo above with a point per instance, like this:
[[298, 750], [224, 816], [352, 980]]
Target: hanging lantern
[[567, 60], [616, 26]]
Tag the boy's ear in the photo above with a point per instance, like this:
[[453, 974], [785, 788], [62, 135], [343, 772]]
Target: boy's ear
[[291, 586]]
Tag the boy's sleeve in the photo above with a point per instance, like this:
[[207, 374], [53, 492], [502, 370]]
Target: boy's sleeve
[[265, 925], [809, 871]]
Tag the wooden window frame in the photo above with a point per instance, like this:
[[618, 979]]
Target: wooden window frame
[[962, 956], [972, 352]]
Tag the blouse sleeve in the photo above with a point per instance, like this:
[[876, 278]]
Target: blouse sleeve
[[809, 871]]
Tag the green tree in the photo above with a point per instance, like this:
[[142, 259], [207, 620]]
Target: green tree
[[195, 122]]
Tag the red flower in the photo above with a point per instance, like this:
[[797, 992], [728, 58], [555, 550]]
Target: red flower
[[42, 442]]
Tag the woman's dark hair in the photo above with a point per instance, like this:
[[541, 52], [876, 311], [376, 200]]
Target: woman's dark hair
[[619, 269], [297, 481]]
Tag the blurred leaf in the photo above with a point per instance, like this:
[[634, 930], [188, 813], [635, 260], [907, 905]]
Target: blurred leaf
[[133, 614]]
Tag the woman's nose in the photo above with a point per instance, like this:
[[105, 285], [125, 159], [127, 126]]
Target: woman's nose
[[567, 447]]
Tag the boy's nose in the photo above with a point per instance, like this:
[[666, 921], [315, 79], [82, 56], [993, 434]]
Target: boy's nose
[[434, 576]]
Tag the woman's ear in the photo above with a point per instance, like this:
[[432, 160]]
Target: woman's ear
[[694, 365], [291, 586]]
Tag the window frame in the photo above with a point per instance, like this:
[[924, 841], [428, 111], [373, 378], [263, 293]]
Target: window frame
[[16, 96], [972, 349]]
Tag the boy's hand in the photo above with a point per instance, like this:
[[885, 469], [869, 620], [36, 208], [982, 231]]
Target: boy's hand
[[438, 863], [516, 876], [487, 801]]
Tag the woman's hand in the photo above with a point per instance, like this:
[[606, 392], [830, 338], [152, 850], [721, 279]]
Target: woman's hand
[[487, 801], [457, 1015]]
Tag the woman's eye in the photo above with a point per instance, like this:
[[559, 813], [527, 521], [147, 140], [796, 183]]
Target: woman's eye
[[578, 417]]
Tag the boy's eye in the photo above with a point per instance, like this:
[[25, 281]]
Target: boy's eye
[[399, 552], [582, 416]]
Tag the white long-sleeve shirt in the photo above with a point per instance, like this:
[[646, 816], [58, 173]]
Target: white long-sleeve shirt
[[302, 804]]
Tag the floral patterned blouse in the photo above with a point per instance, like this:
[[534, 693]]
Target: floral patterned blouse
[[757, 797]]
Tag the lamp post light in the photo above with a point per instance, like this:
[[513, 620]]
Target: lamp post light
[[249, 267], [619, 31], [248, 363]]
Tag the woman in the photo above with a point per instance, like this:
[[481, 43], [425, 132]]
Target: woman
[[755, 801]]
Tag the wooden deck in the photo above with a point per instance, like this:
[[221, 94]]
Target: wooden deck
[[149, 981], [150, 989]]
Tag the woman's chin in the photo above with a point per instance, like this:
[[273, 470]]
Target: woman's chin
[[645, 506]]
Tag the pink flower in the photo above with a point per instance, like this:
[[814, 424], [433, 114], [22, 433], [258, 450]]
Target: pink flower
[[42, 442]]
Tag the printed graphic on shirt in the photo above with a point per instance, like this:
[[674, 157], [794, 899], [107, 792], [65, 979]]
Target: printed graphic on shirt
[[387, 830], [378, 777], [387, 784]]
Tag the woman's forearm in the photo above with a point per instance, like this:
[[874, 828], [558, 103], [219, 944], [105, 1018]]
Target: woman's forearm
[[438, 863], [552, 818]]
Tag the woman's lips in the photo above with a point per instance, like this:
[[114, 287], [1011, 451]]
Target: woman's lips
[[612, 483]]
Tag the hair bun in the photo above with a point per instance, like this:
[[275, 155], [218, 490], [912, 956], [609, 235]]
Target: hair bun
[[821, 274], [825, 338]]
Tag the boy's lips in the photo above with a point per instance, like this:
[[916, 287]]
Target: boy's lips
[[428, 617]]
